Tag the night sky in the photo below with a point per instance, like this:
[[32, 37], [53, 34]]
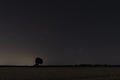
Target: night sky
[[60, 32]]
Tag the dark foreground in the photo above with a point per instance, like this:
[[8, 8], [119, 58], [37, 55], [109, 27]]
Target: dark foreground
[[59, 73]]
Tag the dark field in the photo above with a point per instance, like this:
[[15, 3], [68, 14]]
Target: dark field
[[59, 73]]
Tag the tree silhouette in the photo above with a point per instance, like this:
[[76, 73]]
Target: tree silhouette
[[38, 61]]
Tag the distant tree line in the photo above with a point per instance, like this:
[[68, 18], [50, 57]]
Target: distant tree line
[[96, 65], [39, 61]]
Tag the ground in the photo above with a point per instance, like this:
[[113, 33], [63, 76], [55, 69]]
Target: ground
[[59, 73]]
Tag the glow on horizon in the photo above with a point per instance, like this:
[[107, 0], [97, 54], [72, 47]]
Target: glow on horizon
[[18, 57]]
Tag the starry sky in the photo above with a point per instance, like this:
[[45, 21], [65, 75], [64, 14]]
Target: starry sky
[[60, 32]]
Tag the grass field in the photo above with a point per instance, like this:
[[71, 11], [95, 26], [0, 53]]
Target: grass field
[[59, 73]]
